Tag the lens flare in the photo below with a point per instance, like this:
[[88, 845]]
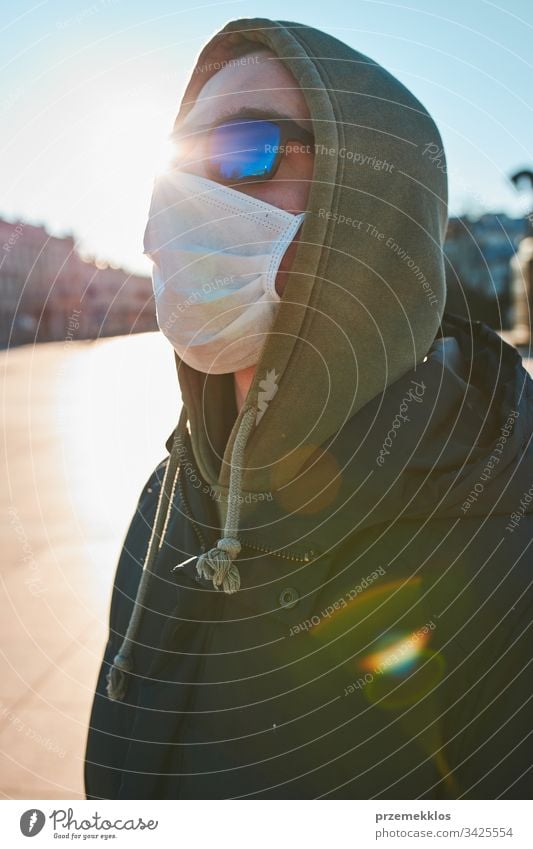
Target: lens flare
[[399, 655]]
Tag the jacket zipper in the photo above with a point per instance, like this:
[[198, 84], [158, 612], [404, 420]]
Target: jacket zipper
[[306, 558]]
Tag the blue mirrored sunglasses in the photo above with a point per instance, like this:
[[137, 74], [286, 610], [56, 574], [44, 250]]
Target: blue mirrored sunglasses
[[243, 149]]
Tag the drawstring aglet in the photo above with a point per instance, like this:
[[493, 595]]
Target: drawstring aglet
[[184, 563], [116, 678]]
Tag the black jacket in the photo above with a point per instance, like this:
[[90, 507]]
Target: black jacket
[[382, 649]]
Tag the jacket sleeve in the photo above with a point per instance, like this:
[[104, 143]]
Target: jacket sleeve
[[110, 722], [490, 729], [494, 748], [132, 556]]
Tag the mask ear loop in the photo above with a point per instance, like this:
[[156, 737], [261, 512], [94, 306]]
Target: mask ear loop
[[117, 677]]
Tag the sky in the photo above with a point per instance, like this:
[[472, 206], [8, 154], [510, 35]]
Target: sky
[[89, 92]]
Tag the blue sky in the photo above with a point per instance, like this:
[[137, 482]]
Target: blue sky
[[89, 90]]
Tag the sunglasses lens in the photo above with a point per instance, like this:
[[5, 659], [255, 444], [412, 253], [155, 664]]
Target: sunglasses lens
[[243, 148]]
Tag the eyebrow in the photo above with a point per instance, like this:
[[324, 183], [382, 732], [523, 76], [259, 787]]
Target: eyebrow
[[251, 112], [243, 112]]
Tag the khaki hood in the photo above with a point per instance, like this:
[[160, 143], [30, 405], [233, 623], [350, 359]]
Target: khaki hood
[[366, 292]]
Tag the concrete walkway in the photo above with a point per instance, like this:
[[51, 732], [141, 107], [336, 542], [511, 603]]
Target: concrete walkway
[[84, 424]]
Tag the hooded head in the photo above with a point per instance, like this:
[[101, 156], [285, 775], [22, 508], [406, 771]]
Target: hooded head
[[363, 285]]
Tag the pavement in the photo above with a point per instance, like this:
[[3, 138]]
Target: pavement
[[84, 425]]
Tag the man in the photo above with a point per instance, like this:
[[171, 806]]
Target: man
[[324, 589]]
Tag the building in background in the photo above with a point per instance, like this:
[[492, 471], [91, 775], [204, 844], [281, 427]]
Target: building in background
[[478, 267], [49, 292], [522, 292], [115, 302]]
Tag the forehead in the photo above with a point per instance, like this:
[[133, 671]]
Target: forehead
[[259, 80]]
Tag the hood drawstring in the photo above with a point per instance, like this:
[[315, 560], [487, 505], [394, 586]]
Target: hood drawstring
[[122, 662], [216, 564]]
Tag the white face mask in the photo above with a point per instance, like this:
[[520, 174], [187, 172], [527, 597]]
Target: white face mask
[[216, 253]]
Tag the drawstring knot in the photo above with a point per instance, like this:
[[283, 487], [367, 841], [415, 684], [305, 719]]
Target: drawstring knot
[[217, 565]]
